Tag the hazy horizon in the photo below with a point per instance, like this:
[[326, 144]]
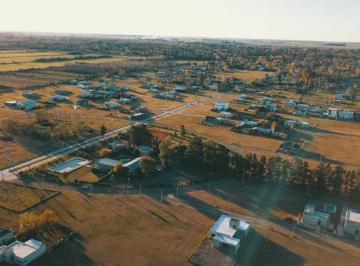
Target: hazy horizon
[[324, 21]]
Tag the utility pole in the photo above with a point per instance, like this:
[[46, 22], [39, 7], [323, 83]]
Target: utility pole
[[140, 190]]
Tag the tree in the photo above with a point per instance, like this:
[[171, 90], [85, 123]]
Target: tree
[[166, 152], [338, 179], [147, 165], [32, 221], [182, 133], [117, 169], [103, 130], [321, 176], [194, 151], [140, 135], [105, 152]]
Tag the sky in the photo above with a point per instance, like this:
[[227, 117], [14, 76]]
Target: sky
[[317, 20]]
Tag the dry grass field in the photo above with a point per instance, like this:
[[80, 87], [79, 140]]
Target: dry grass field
[[246, 76], [116, 227], [18, 198], [35, 79], [14, 60]]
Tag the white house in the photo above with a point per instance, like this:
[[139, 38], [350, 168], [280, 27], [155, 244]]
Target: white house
[[5, 236], [315, 218], [112, 105], [352, 224], [22, 254], [221, 106], [332, 113], [227, 232], [59, 98], [346, 114]]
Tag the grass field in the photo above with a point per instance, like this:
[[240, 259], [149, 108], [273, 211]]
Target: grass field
[[14, 60], [19, 198], [114, 226], [35, 78], [246, 76]]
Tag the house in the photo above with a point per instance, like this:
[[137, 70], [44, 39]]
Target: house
[[332, 113], [29, 105], [22, 253], [318, 216], [106, 164], [346, 114], [133, 165], [221, 106], [352, 224], [145, 150], [302, 109], [125, 100], [5, 236], [227, 232], [248, 124], [112, 105], [214, 87], [59, 98], [137, 116], [226, 115], [291, 104], [180, 89], [117, 145]]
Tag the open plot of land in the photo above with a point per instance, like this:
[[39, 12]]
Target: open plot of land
[[246, 76], [14, 61], [19, 198], [113, 225], [35, 79]]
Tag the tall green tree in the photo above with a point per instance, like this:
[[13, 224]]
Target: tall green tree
[[166, 153]]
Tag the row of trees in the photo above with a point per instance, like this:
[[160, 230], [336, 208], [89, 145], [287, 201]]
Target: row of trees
[[324, 178]]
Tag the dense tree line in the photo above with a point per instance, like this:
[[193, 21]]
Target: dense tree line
[[325, 178]]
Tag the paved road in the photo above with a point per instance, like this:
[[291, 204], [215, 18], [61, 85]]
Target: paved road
[[9, 174]]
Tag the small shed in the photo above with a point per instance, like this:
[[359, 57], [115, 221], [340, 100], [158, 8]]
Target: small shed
[[145, 150], [106, 163]]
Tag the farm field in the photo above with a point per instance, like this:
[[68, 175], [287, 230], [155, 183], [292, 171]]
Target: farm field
[[15, 61]]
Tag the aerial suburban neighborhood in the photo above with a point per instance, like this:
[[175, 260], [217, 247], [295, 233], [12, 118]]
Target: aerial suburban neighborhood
[[158, 150]]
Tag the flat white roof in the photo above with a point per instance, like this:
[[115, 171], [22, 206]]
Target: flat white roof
[[353, 216], [227, 240], [23, 250], [221, 226], [107, 162]]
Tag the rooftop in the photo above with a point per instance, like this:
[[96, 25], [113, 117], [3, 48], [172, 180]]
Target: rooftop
[[107, 162], [222, 226], [23, 250], [70, 165], [353, 216]]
